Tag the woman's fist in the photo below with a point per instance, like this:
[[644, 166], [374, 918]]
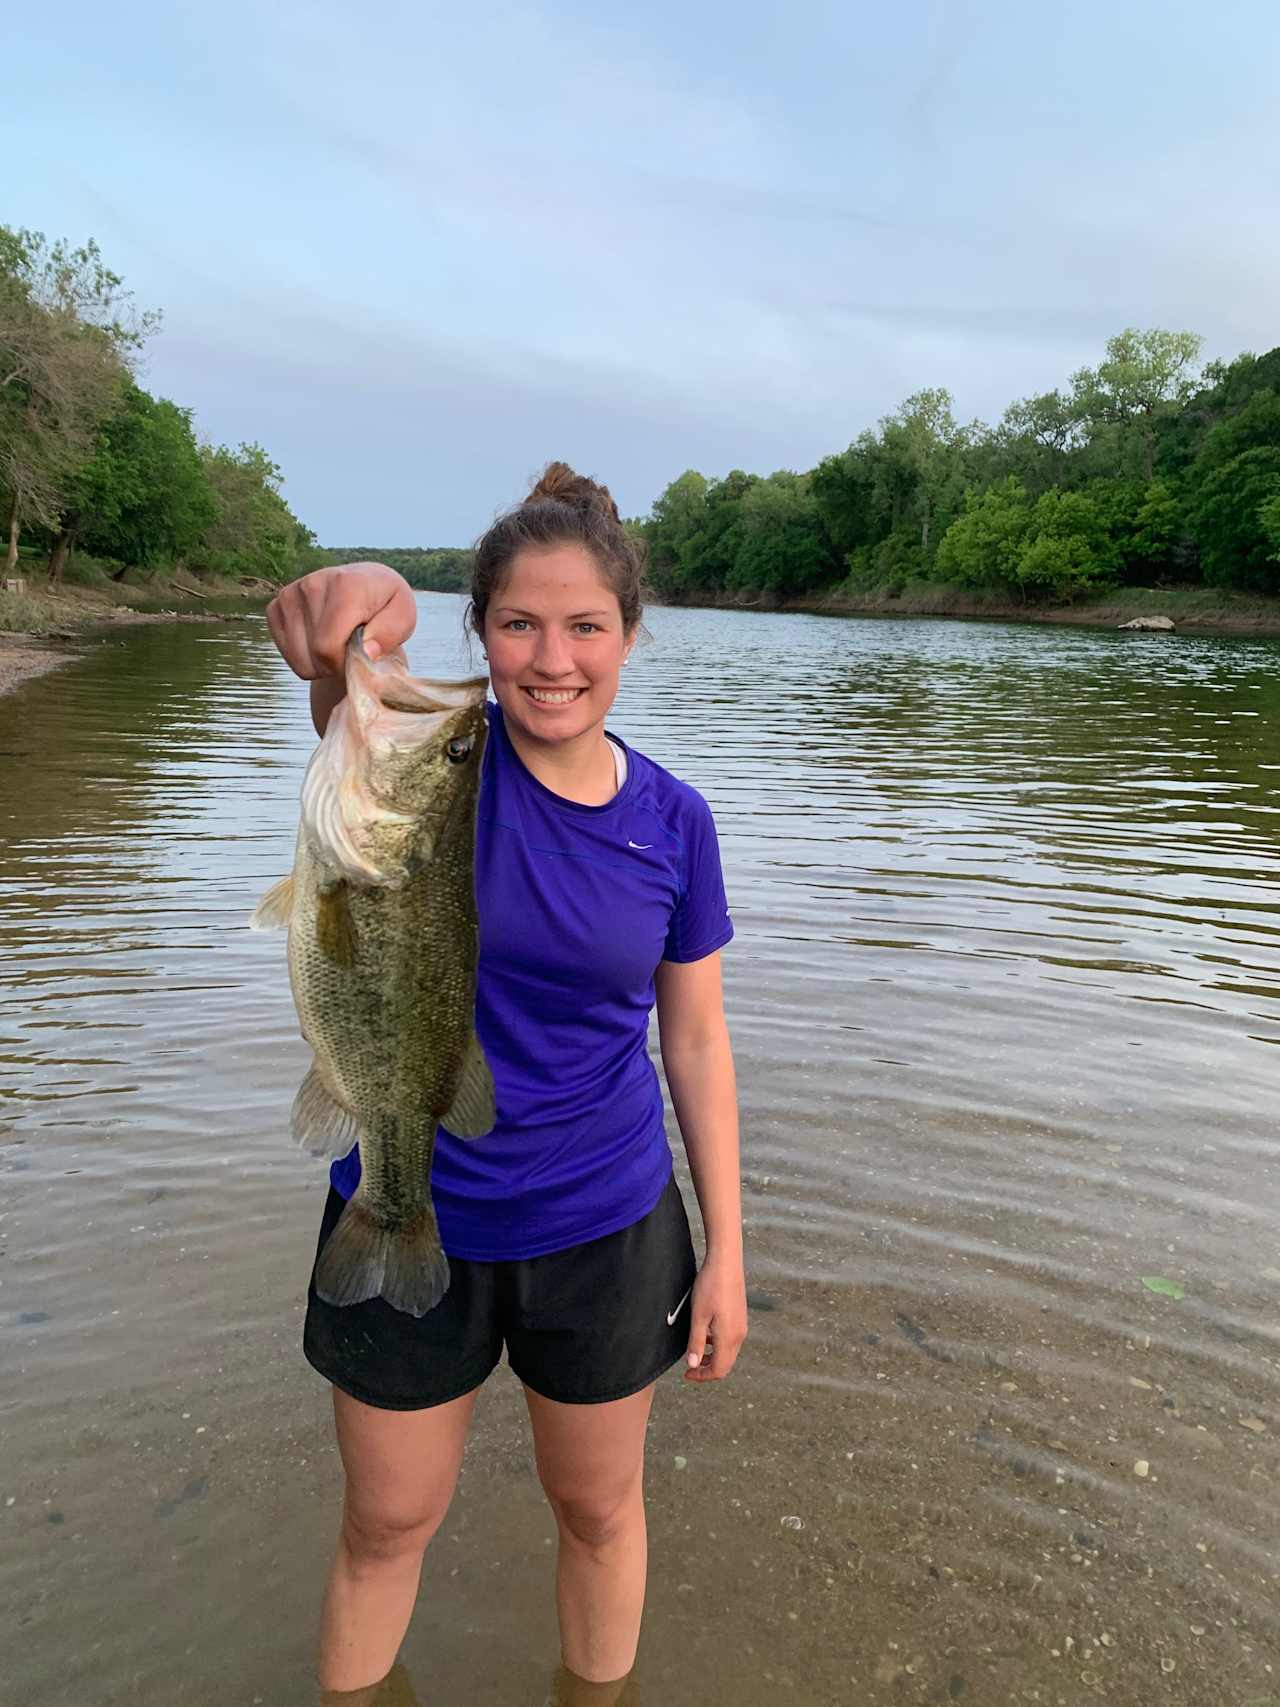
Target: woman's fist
[[312, 618]]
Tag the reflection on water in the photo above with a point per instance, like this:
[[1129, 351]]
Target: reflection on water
[[1005, 1001]]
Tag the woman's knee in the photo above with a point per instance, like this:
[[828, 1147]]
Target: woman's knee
[[596, 1520], [378, 1537]]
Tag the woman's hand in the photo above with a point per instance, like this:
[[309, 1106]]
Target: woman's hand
[[718, 1323], [312, 618]]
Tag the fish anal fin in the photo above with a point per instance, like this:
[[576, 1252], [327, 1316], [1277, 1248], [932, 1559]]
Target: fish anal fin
[[473, 1110], [319, 1123]]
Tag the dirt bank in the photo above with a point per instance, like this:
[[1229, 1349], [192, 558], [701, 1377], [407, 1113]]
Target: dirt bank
[[40, 628]]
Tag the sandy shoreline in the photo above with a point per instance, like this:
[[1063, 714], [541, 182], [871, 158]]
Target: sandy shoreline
[[22, 658]]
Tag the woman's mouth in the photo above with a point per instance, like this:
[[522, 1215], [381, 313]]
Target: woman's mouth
[[554, 696]]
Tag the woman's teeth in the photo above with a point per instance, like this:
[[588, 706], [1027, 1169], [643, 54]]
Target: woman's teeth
[[558, 696]]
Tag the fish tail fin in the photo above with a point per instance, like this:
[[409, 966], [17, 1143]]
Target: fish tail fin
[[363, 1259]]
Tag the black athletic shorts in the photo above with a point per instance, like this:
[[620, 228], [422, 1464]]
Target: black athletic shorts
[[595, 1322]]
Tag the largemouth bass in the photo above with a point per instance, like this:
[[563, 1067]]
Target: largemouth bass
[[381, 912]]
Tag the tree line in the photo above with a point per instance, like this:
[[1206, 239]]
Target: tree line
[[1145, 470], [89, 460], [429, 568]]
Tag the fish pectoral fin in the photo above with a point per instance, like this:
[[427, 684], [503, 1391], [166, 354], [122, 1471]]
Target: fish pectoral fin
[[319, 1123], [335, 927], [275, 909], [473, 1110]]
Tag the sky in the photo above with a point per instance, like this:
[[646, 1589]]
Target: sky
[[417, 251]]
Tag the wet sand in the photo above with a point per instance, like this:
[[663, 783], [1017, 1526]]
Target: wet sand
[[22, 658]]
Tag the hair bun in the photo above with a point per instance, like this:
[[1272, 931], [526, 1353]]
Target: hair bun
[[560, 484]]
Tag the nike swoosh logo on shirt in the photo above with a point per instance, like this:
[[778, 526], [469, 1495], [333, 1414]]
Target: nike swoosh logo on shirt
[[641, 845], [671, 1319]]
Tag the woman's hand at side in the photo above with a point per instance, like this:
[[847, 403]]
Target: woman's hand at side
[[312, 618], [718, 1324]]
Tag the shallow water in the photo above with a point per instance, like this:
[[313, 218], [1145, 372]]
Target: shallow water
[[1005, 996]]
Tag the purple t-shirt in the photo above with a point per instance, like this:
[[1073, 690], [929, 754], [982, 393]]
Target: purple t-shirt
[[577, 906]]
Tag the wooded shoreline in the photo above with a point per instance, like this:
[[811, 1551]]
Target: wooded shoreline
[[80, 612]]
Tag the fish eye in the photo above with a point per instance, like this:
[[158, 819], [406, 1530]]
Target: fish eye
[[459, 747]]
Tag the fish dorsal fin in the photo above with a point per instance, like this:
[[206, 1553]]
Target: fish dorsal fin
[[473, 1111], [275, 909], [319, 1123]]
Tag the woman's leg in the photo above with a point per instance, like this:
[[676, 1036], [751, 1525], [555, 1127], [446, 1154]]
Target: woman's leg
[[591, 1464], [401, 1469]]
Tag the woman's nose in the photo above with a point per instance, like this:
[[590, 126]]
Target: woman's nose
[[552, 655]]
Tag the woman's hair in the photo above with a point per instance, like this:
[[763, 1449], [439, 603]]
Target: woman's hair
[[564, 508]]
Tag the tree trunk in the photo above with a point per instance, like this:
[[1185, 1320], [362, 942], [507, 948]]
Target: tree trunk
[[11, 562], [58, 556]]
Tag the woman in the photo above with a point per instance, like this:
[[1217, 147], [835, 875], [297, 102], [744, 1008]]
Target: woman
[[599, 892]]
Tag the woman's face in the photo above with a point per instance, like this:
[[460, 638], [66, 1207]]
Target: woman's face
[[554, 635]]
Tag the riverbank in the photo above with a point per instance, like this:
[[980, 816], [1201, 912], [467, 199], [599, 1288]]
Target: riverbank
[[39, 627], [1193, 610]]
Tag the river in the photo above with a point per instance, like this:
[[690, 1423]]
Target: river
[[1005, 997]]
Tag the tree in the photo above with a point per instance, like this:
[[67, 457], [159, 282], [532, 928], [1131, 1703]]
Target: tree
[[677, 516], [1036, 437], [1144, 377], [924, 438], [784, 549], [1230, 519], [708, 555], [983, 547], [143, 495], [254, 532], [1269, 518], [68, 334]]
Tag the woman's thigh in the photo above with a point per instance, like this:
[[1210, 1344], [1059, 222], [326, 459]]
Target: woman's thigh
[[590, 1457], [401, 1466]]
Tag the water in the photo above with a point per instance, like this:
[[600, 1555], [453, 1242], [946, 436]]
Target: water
[[1005, 997]]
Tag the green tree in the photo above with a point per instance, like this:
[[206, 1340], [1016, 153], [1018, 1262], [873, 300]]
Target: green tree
[[983, 547], [707, 556], [925, 441], [1036, 437], [254, 531], [1144, 377], [784, 550], [142, 496], [1230, 518], [68, 337], [677, 515]]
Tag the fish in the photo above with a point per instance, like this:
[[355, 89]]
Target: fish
[[383, 948]]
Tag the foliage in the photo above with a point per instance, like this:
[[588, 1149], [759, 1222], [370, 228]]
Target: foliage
[[430, 568], [88, 458], [983, 547], [1144, 470], [142, 495]]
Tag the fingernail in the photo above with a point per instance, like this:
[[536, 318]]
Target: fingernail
[[372, 650], [694, 1360]]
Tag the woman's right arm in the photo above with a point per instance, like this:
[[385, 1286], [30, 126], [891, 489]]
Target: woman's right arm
[[312, 619]]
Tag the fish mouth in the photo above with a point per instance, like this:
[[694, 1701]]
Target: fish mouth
[[554, 696]]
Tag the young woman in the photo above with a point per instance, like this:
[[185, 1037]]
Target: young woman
[[599, 892]]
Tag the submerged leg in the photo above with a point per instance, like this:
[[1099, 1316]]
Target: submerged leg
[[401, 1470]]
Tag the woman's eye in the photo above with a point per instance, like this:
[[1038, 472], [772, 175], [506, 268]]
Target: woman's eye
[[588, 628], [518, 623]]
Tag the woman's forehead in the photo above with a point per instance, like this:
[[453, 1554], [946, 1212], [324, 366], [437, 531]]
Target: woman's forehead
[[558, 580]]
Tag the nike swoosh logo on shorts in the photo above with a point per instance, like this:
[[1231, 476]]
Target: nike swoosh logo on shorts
[[641, 845], [671, 1319]]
